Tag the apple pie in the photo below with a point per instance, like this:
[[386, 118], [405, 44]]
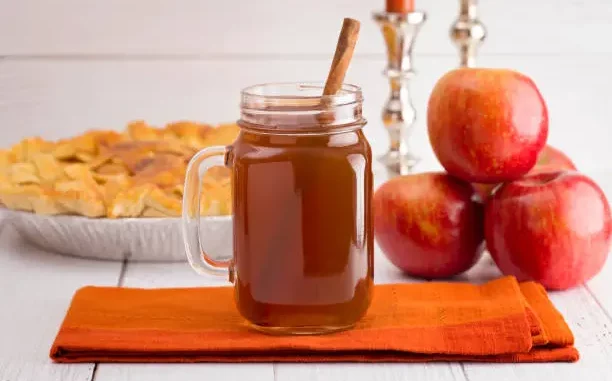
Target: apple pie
[[135, 173]]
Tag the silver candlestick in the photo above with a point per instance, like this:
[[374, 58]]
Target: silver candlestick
[[467, 32], [398, 115]]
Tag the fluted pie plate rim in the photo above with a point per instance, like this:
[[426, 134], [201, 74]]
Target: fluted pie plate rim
[[154, 239]]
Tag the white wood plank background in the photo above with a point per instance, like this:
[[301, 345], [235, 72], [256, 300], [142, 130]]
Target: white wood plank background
[[59, 97], [285, 27], [71, 65]]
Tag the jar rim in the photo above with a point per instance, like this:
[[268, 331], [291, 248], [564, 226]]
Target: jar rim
[[303, 93], [300, 108]]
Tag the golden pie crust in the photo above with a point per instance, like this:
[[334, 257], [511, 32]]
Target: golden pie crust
[[135, 173]]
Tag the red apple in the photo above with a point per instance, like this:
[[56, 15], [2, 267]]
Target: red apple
[[427, 224], [553, 228], [486, 125], [550, 159]]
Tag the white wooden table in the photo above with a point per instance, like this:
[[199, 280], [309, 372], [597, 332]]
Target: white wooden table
[[36, 288], [70, 65]]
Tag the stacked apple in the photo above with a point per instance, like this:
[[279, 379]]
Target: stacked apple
[[503, 187]]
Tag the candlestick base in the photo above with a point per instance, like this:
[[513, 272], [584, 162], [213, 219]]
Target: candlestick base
[[399, 115], [399, 164]]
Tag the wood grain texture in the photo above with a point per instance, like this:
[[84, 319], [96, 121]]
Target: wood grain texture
[[71, 65], [181, 275], [377, 372], [35, 284], [586, 319], [57, 98], [349, 34], [592, 333], [589, 323], [384, 273], [153, 275], [184, 372], [35, 290], [286, 27], [599, 286]]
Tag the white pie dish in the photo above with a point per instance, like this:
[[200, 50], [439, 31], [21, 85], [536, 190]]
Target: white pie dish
[[131, 239]]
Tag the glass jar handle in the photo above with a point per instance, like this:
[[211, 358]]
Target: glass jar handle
[[197, 168]]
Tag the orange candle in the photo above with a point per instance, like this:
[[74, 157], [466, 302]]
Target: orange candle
[[400, 6]]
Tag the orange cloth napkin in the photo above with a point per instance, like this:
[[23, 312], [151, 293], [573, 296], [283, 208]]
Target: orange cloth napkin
[[500, 321]]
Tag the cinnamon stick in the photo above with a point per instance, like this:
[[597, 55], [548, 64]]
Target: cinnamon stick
[[343, 55], [281, 249]]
